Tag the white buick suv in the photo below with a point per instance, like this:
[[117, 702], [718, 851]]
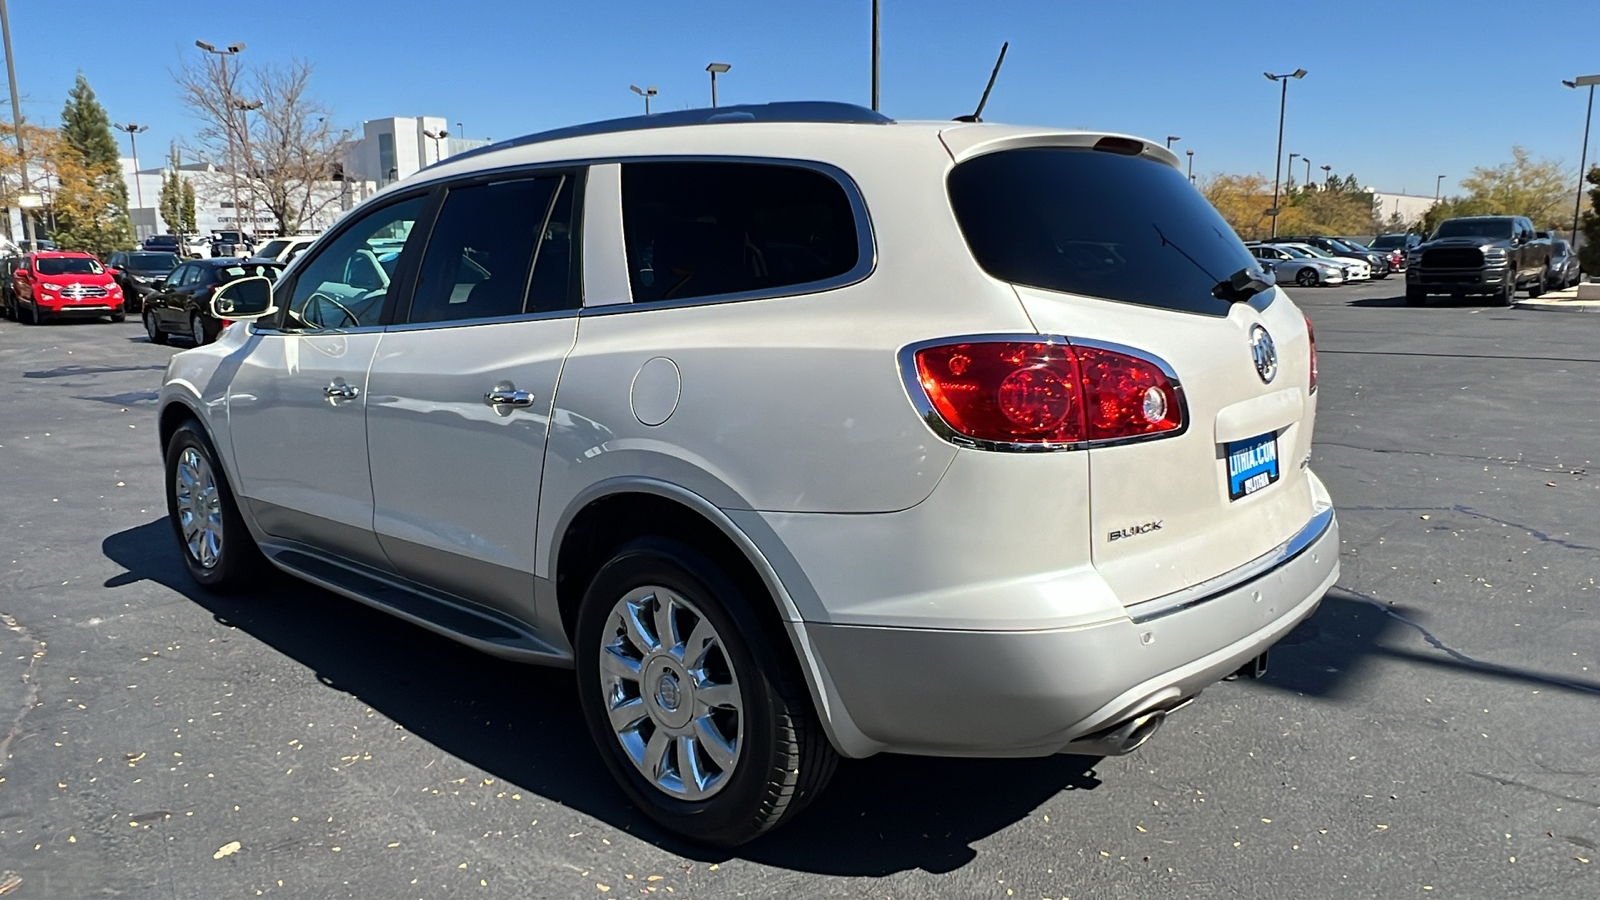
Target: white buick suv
[[798, 432]]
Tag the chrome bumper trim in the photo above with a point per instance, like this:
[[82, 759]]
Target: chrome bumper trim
[[1194, 595]]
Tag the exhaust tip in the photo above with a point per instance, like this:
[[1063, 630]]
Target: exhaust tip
[[1144, 728]]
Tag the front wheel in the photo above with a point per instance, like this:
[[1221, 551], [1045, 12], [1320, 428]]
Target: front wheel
[[1509, 293], [1307, 277], [698, 714], [216, 545]]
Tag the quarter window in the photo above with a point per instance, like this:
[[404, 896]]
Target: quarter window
[[698, 229], [489, 243], [345, 285]]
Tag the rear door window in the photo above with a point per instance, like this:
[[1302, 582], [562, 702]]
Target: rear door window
[[1095, 223], [703, 229]]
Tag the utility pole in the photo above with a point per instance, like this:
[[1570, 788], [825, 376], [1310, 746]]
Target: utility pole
[[1277, 160], [227, 108], [875, 54], [16, 121]]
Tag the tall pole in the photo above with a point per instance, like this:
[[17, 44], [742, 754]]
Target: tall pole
[[1277, 160], [244, 108], [875, 55], [227, 108], [1307, 160], [1288, 185], [132, 131], [16, 120], [1583, 157], [1438, 184], [1191, 164], [714, 68]]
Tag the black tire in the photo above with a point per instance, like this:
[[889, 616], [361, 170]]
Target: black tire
[[1508, 293], [119, 317], [783, 761], [1541, 285], [153, 329], [33, 317], [1307, 277], [238, 563], [1416, 297]]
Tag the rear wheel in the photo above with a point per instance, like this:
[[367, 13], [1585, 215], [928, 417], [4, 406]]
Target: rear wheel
[[701, 718], [153, 329], [1541, 284], [1307, 277], [216, 546], [198, 332]]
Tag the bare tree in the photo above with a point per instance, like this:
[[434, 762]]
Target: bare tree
[[273, 139]]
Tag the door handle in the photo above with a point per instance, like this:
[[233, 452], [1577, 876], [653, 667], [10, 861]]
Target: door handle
[[339, 391], [508, 397]]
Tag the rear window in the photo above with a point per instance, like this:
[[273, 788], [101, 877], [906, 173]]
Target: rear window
[[701, 229], [1389, 242], [1095, 223]]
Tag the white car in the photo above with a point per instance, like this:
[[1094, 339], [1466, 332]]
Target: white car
[[799, 432], [1354, 269], [285, 249], [1306, 271]]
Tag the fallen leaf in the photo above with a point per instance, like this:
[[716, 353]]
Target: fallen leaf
[[228, 849], [601, 887]]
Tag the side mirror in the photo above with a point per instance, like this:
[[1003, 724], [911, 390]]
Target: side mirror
[[247, 298], [113, 272]]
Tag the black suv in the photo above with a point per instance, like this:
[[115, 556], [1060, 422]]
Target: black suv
[[1378, 261], [1490, 256]]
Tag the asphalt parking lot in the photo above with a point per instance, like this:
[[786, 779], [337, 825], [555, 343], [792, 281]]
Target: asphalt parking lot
[[1433, 731]]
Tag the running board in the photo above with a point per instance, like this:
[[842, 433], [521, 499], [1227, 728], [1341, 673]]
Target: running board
[[482, 629]]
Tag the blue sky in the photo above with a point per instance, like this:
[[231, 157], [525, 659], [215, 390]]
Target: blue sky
[[1398, 92]]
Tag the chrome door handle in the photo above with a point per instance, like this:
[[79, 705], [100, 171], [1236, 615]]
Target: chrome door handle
[[508, 397], [341, 391]]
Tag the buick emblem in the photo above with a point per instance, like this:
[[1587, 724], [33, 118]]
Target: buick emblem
[[1264, 354]]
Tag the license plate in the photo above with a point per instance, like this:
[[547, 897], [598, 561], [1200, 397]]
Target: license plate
[[1252, 465]]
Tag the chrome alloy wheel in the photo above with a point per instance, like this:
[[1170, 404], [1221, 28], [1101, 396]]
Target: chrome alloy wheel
[[199, 508], [197, 330], [673, 700]]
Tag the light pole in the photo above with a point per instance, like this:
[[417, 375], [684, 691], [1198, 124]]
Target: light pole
[[1327, 173], [16, 122], [461, 131], [244, 107], [1438, 183], [715, 68], [1588, 81], [436, 135], [132, 131], [875, 54], [1277, 161], [1288, 183], [646, 93], [1307, 161], [1191, 165], [227, 104], [1170, 139]]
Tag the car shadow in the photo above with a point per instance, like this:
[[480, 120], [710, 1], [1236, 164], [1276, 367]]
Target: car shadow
[[1399, 302], [521, 723]]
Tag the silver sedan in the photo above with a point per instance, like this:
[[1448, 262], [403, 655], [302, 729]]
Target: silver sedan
[[1303, 270]]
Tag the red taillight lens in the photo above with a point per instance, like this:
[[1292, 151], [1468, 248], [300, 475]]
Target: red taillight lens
[[1025, 392], [1311, 338], [1128, 396]]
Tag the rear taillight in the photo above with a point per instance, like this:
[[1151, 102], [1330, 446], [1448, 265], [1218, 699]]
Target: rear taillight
[[1046, 393], [1311, 339]]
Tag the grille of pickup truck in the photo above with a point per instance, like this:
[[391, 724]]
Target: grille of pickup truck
[[1453, 258]]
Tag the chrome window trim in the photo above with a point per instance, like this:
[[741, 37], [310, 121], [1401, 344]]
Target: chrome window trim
[[1194, 595], [907, 359]]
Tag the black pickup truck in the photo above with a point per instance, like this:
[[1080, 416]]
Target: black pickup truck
[[1483, 255]]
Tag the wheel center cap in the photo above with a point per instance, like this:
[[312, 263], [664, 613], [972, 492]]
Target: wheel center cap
[[668, 693]]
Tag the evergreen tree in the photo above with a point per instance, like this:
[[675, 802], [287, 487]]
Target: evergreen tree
[[92, 203], [190, 225], [171, 203], [1589, 253]]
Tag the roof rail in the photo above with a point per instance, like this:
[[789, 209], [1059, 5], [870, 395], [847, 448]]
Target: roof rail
[[789, 111]]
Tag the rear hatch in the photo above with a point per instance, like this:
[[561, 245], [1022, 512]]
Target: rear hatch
[[1112, 248]]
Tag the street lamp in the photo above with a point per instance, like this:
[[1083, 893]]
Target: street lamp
[[131, 130], [1583, 157], [646, 93], [1288, 185], [227, 98], [715, 68], [244, 107], [1191, 165], [1170, 139], [436, 135], [1327, 173], [16, 123], [1438, 183], [1307, 161], [1277, 161]]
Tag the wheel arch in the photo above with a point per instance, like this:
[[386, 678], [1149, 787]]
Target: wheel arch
[[614, 511]]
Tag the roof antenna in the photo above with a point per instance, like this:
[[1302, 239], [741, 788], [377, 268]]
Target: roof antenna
[[978, 113]]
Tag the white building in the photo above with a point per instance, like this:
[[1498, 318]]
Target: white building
[[1409, 207], [214, 208], [394, 148]]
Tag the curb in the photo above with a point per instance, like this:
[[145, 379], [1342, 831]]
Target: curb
[[1566, 306]]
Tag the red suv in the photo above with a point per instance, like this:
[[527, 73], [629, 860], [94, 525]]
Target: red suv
[[49, 285]]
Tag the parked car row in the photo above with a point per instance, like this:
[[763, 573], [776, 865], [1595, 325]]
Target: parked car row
[[1310, 266]]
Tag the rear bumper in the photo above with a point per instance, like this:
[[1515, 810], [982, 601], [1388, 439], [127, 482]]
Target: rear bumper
[[1032, 693]]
